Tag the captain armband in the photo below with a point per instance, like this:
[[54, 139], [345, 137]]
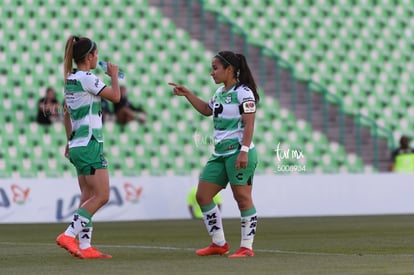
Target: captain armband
[[248, 107]]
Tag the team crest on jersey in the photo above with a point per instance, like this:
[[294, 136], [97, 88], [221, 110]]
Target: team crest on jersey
[[228, 99]]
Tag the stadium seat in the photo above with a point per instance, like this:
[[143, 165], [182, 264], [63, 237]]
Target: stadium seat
[[152, 51], [380, 34]]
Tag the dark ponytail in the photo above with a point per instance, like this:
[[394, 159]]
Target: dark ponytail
[[76, 49], [241, 70]]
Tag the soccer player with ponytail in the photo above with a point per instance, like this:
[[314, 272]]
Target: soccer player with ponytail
[[233, 107], [83, 124]]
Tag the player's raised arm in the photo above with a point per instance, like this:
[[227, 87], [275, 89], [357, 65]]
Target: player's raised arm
[[200, 105]]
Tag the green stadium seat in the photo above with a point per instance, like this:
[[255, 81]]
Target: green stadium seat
[[166, 143], [351, 29]]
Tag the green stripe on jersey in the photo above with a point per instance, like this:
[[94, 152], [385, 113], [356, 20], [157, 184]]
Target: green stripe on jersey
[[227, 124], [80, 112], [96, 108], [83, 111], [226, 146], [73, 86], [82, 131], [97, 133]]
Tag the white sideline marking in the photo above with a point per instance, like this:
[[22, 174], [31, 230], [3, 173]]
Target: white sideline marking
[[170, 248]]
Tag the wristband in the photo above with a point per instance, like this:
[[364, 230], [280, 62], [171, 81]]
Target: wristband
[[244, 148]]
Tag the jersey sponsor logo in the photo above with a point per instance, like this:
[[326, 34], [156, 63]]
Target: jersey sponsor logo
[[249, 107], [247, 99], [96, 82], [71, 81], [218, 109], [230, 147]]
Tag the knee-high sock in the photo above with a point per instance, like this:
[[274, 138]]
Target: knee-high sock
[[213, 221], [80, 220], [85, 237], [248, 227]]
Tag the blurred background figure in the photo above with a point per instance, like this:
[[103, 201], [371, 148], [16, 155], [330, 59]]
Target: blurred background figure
[[402, 158], [48, 108], [126, 112], [107, 111], [194, 207]]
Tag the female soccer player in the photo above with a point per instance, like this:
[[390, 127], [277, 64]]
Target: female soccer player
[[234, 160], [83, 124]]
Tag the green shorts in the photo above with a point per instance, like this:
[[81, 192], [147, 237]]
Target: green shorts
[[87, 159], [222, 170]]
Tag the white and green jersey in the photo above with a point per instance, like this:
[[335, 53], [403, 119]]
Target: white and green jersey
[[84, 105], [228, 107]]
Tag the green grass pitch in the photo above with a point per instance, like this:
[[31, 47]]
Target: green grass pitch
[[313, 245]]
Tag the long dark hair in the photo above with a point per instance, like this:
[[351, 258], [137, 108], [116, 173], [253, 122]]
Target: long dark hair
[[241, 70], [77, 48]]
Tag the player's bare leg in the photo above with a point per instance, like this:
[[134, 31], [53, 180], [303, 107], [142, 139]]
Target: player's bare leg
[[212, 219], [243, 196]]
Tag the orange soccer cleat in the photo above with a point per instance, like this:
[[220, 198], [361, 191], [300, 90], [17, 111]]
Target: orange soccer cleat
[[92, 253], [242, 252], [68, 243], [213, 249]]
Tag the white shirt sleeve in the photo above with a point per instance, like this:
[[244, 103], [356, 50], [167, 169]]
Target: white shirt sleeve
[[92, 84], [246, 100], [245, 94]]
